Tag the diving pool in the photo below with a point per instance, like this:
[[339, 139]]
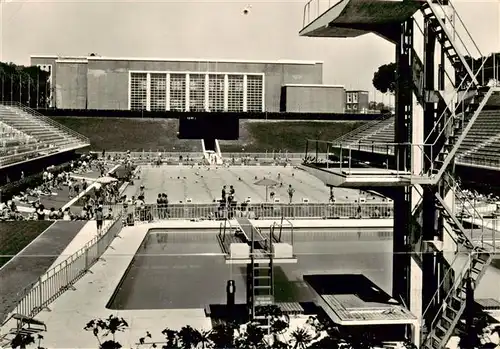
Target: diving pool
[[185, 268]]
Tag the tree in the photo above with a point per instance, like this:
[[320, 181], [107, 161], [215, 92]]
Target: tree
[[485, 68], [381, 107], [384, 79], [27, 85]]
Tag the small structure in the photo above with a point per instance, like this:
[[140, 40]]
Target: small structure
[[245, 244]]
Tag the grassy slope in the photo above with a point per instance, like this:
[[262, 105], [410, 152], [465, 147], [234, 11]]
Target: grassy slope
[[152, 134], [14, 236]]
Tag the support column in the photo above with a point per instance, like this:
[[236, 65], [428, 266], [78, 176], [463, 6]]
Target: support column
[[430, 262], [402, 198]]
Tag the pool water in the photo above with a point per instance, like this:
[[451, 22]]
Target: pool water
[[181, 269]]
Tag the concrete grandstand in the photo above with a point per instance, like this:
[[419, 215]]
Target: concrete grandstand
[[480, 147], [26, 134]]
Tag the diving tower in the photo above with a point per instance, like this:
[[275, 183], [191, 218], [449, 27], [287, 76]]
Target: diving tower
[[439, 95], [243, 243]]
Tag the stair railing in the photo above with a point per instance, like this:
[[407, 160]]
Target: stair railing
[[470, 209], [474, 74], [453, 20], [457, 284], [465, 130], [434, 300]]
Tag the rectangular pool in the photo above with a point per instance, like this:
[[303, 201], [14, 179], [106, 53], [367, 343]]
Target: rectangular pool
[[185, 268]]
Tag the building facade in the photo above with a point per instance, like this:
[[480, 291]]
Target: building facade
[[156, 84], [313, 98], [356, 102]]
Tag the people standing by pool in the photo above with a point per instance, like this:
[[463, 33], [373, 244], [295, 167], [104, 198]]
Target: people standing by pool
[[291, 191], [99, 216]]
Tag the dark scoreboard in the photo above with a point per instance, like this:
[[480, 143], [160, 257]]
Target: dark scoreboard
[[210, 125]]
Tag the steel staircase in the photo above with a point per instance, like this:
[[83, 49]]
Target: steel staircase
[[453, 306], [444, 37], [470, 96]]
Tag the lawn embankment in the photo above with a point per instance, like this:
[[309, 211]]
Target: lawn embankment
[[120, 134], [14, 236]]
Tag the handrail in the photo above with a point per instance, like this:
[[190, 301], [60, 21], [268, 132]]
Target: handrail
[[46, 119], [438, 289], [474, 75], [475, 215], [458, 282]]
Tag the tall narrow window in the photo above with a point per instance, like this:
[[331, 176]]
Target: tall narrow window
[[216, 92], [158, 88], [138, 91], [254, 93], [178, 92], [196, 92], [235, 93]]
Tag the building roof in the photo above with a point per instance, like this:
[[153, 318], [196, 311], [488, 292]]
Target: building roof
[[155, 59]]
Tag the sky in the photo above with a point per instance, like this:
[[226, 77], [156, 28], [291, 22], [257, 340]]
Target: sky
[[207, 29]]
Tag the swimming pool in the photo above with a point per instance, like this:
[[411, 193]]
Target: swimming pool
[[185, 268]]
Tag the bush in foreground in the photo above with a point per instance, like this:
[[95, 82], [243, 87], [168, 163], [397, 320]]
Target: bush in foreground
[[317, 333]]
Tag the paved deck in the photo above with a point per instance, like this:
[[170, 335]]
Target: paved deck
[[33, 262], [192, 261], [204, 184], [73, 309]]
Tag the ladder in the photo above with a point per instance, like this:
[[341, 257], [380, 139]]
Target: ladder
[[262, 281]]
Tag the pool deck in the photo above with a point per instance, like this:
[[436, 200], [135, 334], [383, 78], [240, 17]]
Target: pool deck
[[73, 309], [203, 184]]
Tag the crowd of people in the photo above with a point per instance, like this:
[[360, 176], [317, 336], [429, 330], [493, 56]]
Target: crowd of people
[[87, 204]]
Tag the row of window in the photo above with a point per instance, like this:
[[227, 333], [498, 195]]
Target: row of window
[[196, 92]]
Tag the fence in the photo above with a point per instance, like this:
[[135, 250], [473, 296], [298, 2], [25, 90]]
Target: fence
[[261, 211], [57, 280], [153, 154]]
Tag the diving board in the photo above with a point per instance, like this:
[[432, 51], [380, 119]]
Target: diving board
[[359, 177], [237, 237]]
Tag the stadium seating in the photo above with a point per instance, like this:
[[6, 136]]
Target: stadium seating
[[481, 145], [27, 134]]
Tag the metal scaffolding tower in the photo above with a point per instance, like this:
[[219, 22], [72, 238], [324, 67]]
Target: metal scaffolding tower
[[419, 173]]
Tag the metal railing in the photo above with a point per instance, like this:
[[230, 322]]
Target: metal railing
[[46, 120], [153, 154], [313, 9], [467, 212], [260, 211], [346, 153], [37, 296]]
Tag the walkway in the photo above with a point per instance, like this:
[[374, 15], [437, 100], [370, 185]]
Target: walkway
[[33, 262]]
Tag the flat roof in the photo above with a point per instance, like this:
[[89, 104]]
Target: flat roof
[[198, 60], [83, 61], [313, 85]]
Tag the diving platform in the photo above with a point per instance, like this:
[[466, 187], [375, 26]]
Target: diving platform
[[364, 177], [353, 18], [243, 243], [354, 300]]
